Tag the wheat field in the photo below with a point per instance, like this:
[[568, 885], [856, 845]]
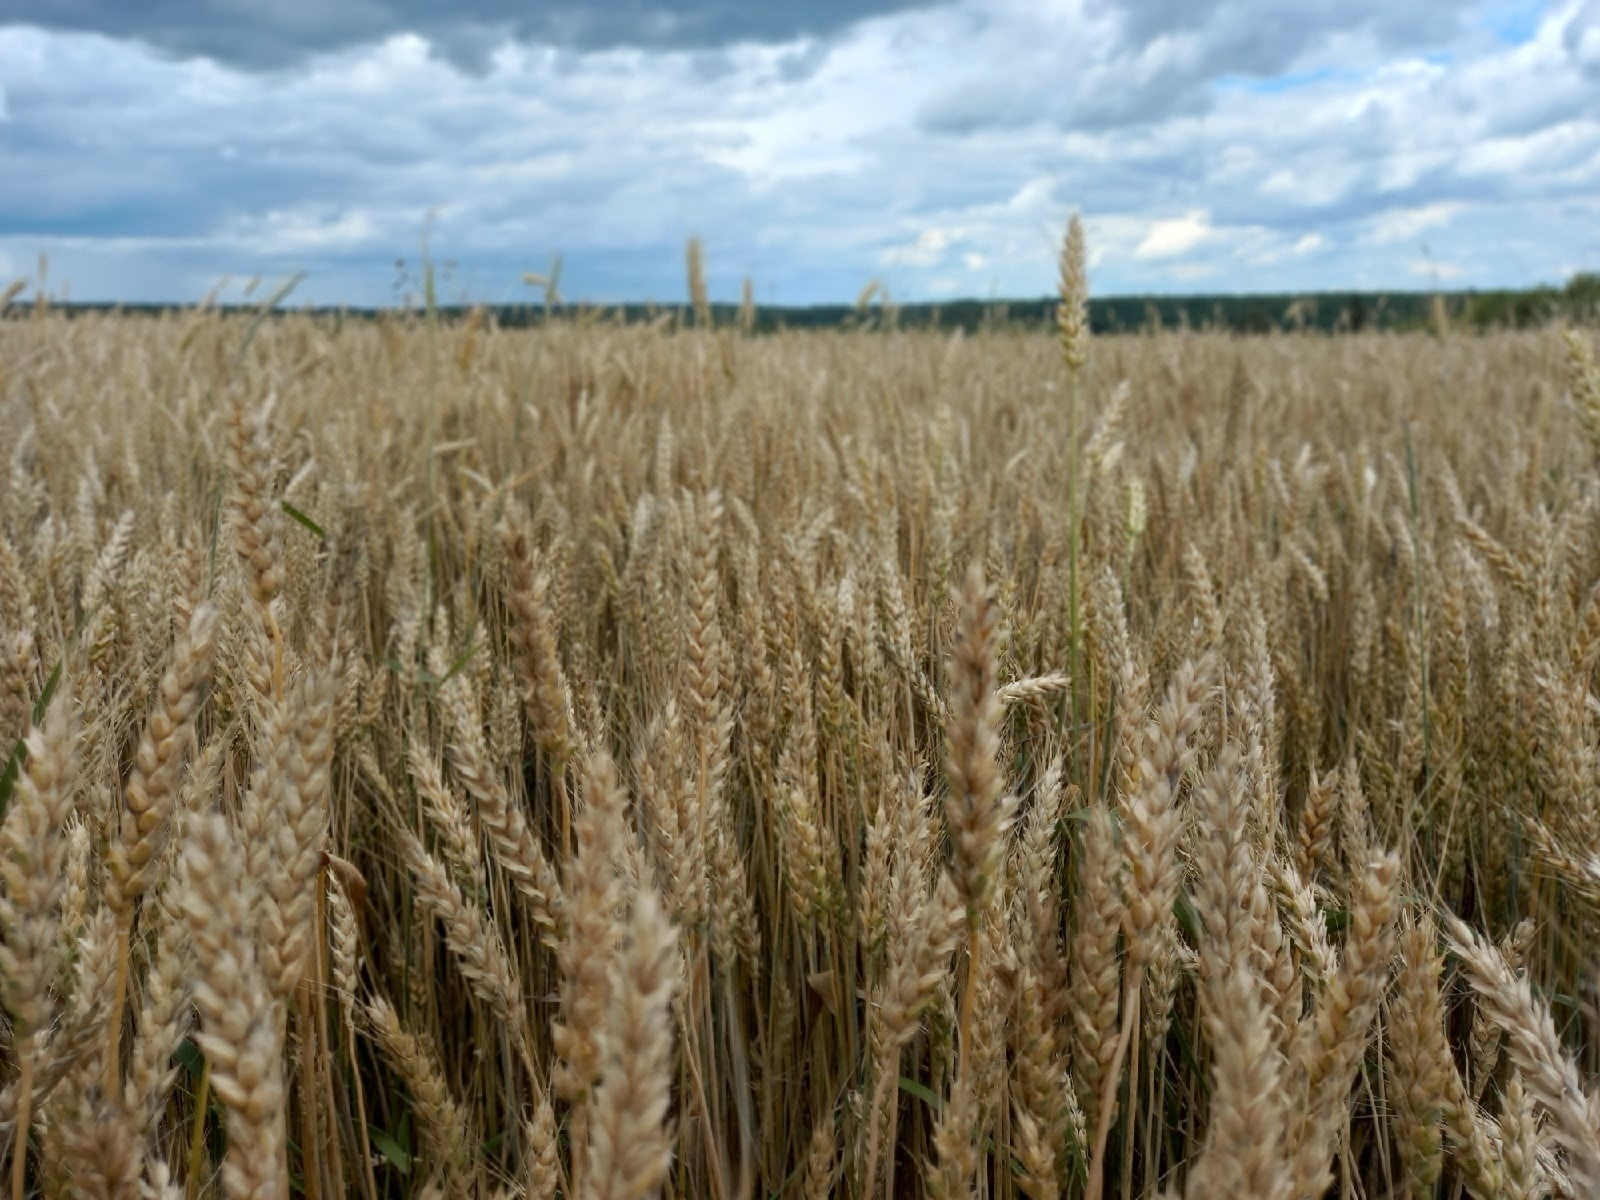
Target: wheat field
[[616, 762]]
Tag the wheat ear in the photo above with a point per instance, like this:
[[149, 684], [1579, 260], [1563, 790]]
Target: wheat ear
[[447, 1137], [144, 824], [1243, 1153], [479, 951], [515, 844], [242, 1022], [1421, 1069], [1548, 1072], [1332, 1041], [630, 1152], [975, 812], [587, 954], [33, 851]]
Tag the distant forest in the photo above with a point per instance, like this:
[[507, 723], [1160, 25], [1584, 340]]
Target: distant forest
[[1330, 312]]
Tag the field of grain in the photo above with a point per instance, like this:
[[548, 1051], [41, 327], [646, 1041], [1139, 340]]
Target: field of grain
[[612, 762]]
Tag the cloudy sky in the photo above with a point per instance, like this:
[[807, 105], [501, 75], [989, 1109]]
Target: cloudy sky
[[153, 148]]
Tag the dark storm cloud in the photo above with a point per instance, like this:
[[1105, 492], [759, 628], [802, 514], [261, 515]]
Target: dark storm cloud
[[278, 33]]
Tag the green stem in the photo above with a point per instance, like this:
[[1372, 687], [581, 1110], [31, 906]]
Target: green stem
[[197, 1137]]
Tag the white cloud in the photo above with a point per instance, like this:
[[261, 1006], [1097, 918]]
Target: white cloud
[[974, 262], [1033, 198], [1314, 184], [1306, 243], [1403, 224], [1175, 236], [1539, 151], [1429, 269], [927, 251], [309, 228]]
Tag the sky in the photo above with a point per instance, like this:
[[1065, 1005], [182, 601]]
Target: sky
[[159, 149]]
